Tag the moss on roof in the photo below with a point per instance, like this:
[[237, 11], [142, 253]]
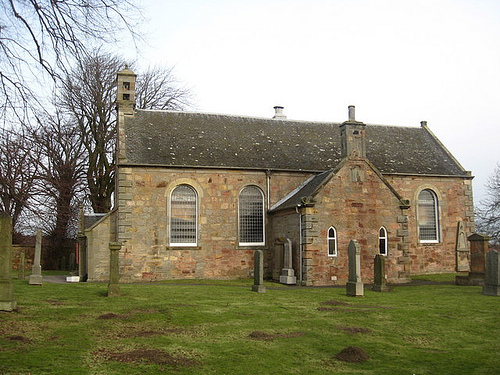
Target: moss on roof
[[181, 139]]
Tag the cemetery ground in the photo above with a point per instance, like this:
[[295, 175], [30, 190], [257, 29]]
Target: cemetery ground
[[222, 327]]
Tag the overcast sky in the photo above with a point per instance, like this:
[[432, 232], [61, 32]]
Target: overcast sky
[[399, 62]]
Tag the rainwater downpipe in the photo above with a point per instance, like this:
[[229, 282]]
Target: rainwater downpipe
[[300, 243], [268, 186]]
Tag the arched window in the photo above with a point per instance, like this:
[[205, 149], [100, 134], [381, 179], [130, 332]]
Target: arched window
[[251, 216], [183, 216], [382, 241], [332, 242], [428, 219]]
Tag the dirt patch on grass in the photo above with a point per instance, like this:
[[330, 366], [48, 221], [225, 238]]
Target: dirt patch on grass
[[55, 302], [109, 316], [151, 333], [355, 329], [19, 338], [158, 357], [352, 354], [335, 303], [259, 335]]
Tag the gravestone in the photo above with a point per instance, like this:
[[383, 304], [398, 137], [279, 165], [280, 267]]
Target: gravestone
[[461, 249], [258, 272], [354, 286], [379, 282], [114, 269], [492, 277], [21, 275], [287, 273], [478, 249], [36, 270], [7, 301]]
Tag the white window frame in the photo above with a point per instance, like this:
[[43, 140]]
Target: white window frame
[[263, 242], [436, 217], [384, 238], [334, 238], [183, 244]]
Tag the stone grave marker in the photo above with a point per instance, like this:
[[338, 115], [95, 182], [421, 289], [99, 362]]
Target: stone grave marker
[[354, 286], [492, 277], [478, 249], [7, 301], [258, 272], [287, 273], [114, 269], [36, 270], [379, 281]]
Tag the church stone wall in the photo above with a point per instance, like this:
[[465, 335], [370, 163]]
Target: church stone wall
[[143, 195]]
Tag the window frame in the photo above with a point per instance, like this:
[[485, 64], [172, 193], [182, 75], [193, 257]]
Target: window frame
[[435, 209], [384, 250], [328, 242], [262, 202], [183, 244]]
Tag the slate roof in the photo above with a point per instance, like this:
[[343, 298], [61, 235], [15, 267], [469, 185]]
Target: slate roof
[[188, 139]]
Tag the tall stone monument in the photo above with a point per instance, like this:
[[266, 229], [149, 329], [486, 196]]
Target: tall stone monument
[[492, 277], [258, 272], [354, 286], [22, 266], [478, 249], [36, 270], [7, 301], [114, 269], [287, 273], [379, 281]]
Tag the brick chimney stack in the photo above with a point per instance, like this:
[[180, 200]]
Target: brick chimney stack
[[278, 113]]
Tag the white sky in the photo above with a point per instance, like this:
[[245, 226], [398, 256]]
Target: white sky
[[399, 62]]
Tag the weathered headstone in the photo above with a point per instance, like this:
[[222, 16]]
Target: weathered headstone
[[258, 272], [492, 278], [379, 281], [36, 270], [354, 286], [114, 269], [287, 273], [7, 301], [461, 249], [478, 249], [21, 274]]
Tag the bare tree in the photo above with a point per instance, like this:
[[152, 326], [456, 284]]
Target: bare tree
[[89, 95], [488, 215], [158, 88], [44, 36], [18, 173], [62, 170]]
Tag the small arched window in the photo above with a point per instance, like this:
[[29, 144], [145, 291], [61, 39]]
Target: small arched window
[[428, 218], [183, 216], [251, 216], [332, 242], [382, 241]]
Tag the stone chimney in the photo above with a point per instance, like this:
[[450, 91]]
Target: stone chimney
[[278, 113], [352, 135]]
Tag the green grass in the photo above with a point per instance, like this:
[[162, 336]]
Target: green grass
[[209, 328]]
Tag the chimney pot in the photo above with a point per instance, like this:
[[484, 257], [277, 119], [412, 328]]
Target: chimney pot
[[352, 113], [278, 113]]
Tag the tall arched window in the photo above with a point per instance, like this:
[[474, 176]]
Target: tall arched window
[[251, 216], [332, 242], [428, 218], [183, 216], [382, 241]]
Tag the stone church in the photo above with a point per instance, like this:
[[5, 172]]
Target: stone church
[[198, 193]]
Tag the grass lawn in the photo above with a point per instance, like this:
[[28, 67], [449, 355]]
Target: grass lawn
[[225, 328]]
